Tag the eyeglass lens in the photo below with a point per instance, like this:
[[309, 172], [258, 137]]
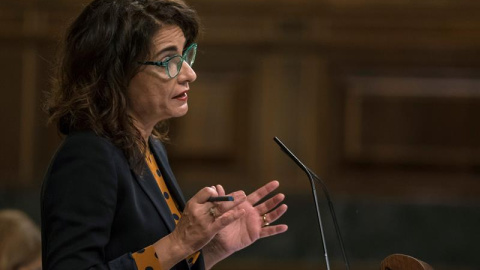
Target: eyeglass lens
[[175, 64]]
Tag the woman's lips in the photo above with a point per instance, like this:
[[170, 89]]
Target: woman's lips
[[182, 96]]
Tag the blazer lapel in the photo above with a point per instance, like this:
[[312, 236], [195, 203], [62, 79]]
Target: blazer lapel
[[160, 155], [150, 187]]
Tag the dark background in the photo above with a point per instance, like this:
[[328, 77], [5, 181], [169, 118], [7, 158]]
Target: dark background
[[380, 98]]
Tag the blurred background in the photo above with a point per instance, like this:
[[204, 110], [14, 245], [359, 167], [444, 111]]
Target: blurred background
[[379, 98]]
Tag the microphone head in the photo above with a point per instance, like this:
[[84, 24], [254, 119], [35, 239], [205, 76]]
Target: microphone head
[[291, 155]]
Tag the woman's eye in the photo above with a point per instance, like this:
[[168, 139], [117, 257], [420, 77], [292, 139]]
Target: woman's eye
[[166, 58]]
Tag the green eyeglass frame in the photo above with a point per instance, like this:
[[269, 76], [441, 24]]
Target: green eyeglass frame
[[173, 64]]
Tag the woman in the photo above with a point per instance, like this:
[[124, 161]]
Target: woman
[[20, 247], [110, 199]]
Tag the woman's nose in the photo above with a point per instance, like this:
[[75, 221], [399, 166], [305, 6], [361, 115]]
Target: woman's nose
[[187, 73]]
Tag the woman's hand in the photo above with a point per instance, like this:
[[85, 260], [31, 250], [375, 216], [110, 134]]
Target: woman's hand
[[250, 227], [200, 222]]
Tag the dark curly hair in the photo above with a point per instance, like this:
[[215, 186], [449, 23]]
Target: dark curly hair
[[99, 58]]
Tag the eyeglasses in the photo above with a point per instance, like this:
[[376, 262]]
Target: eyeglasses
[[174, 63]]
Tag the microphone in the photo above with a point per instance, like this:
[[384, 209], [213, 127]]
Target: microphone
[[311, 175]]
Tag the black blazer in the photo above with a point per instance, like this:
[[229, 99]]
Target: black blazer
[[96, 211]]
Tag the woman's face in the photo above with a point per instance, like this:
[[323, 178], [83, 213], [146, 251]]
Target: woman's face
[[152, 94]]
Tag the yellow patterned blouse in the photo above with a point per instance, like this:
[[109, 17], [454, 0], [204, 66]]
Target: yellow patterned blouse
[[146, 259]]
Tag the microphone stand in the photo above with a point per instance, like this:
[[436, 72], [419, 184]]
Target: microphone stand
[[311, 175]]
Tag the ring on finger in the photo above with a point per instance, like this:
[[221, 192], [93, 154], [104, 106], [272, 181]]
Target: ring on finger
[[212, 212], [265, 223]]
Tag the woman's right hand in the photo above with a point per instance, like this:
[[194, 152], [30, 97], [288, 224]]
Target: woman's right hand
[[197, 226]]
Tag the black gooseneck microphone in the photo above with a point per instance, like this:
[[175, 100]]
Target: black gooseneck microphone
[[311, 175]]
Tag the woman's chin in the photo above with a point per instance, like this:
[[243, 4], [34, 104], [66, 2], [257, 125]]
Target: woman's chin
[[180, 111]]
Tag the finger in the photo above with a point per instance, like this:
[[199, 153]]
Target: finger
[[203, 195], [238, 198], [260, 193], [227, 218], [273, 230], [220, 190], [269, 204], [276, 214]]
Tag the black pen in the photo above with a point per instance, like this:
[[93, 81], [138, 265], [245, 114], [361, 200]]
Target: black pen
[[220, 199]]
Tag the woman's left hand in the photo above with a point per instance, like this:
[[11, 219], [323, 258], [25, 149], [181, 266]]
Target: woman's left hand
[[255, 224]]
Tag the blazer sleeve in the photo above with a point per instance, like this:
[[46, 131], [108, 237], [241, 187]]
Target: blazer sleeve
[[79, 197]]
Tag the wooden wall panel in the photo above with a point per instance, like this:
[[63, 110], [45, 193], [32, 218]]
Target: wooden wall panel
[[27, 107], [29, 33], [45, 137], [209, 131], [407, 133], [288, 99], [10, 116], [401, 120], [282, 69]]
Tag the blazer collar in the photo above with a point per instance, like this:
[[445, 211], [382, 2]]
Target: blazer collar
[[160, 155], [150, 186]]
